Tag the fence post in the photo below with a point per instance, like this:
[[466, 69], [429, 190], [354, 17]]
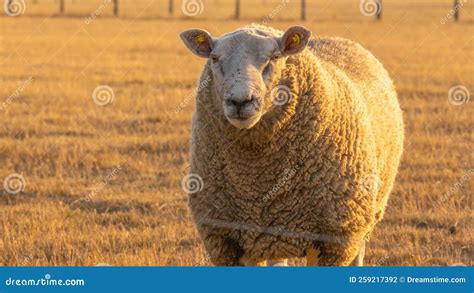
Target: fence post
[[379, 9], [61, 6], [170, 7], [303, 10], [116, 7], [456, 10], [237, 9]]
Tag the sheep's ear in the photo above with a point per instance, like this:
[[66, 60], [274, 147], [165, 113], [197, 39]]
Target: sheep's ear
[[200, 42], [294, 40]]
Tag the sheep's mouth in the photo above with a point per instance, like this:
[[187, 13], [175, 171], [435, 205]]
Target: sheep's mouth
[[243, 122], [243, 117]]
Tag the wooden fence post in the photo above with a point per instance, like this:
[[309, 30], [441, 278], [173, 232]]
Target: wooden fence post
[[456, 8], [61, 6], [116, 7], [303, 10], [379, 9], [237, 9], [170, 7]]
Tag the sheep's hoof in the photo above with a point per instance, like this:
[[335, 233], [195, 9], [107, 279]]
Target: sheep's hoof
[[282, 262], [359, 260], [251, 263], [312, 256]]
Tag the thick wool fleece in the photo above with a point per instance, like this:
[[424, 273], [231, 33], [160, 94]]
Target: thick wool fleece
[[315, 171]]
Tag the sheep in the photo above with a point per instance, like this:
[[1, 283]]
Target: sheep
[[296, 142]]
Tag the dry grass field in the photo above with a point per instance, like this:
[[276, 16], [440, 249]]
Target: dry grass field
[[102, 183]]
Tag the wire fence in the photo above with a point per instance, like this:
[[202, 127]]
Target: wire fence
[[304, 10]]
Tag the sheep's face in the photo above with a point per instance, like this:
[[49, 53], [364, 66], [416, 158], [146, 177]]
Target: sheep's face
[[245, 68]]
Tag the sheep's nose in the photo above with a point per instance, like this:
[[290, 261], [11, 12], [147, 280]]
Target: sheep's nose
[[239, 104]]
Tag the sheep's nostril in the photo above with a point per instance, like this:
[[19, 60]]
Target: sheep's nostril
[[240, 103]]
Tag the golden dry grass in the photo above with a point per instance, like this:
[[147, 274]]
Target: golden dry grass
[[66, 146]]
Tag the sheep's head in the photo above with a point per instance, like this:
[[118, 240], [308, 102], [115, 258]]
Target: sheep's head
[[245, 68]]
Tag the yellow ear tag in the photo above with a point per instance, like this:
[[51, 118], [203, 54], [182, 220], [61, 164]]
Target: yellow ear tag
[[296, 39], [200, 38]]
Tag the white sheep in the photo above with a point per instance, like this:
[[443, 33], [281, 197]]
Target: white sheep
[[297, 143]]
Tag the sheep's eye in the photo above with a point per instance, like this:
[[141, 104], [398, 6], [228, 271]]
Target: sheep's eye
[[274, 57], [214, 59]]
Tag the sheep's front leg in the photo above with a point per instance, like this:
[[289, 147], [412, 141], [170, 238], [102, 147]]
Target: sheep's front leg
[[312, 256], [251, 263], [359, 260], [281, 262], [331, 254], [223, 251]]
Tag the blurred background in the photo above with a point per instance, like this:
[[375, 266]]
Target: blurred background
[[96, 100]]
